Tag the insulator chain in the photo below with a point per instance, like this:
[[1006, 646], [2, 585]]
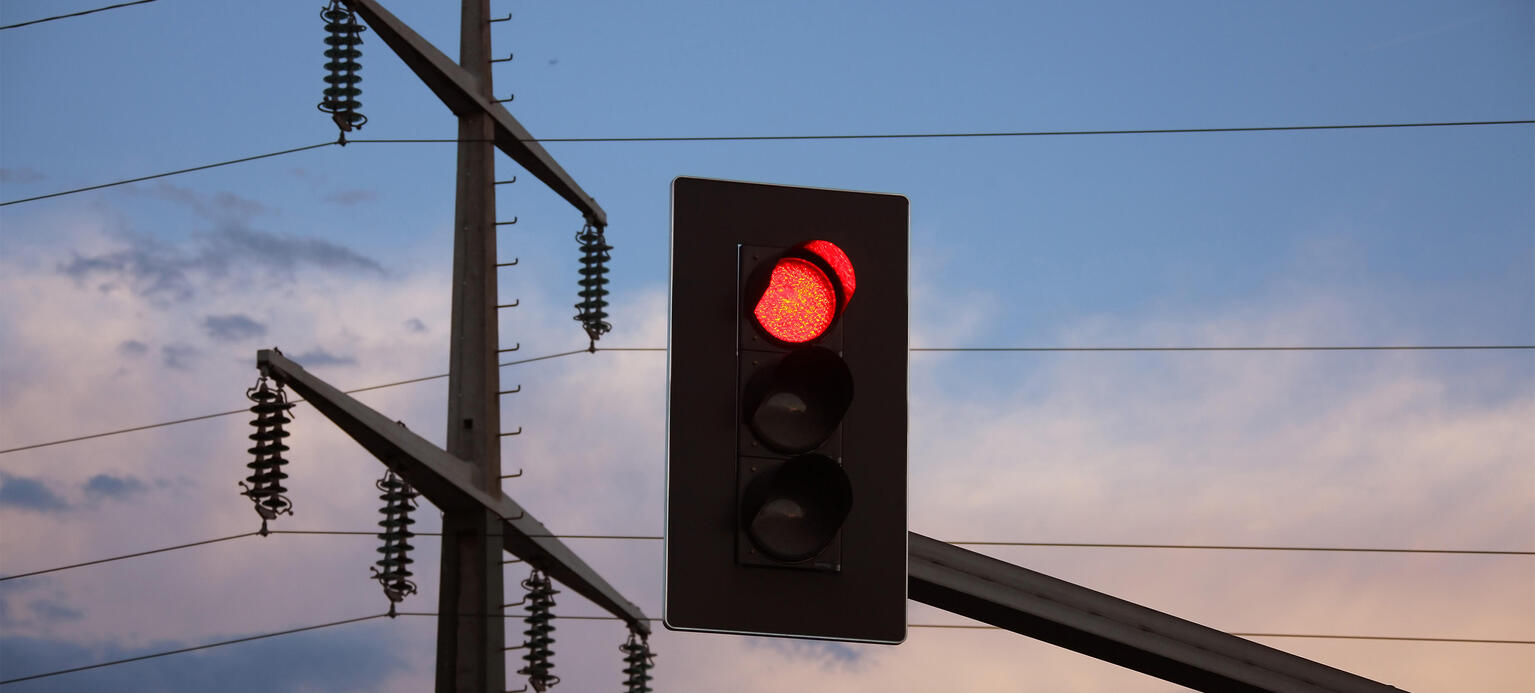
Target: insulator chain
[[592, 310], [393, 569], [540, 632], [264, 485], [341, 93], [640, 661]]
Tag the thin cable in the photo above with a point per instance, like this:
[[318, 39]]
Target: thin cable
[[966, 626], [1212, 547], [1051, 544], [123, 430], [128, 555], [199, 543], [194, 648], [337, 532], [75, 14], [941, 135], [242, 411], [1385, 347], [542, 358], [1437, 347], [342, 532], [168, 173], [744, 138], [1483, 347]]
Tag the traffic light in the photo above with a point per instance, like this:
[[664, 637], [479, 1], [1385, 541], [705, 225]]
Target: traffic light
[[786, 417]]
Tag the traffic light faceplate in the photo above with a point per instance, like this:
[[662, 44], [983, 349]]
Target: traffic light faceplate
[[786, 581]]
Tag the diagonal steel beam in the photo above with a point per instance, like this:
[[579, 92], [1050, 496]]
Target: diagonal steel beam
[[445, 481], [459, 91], [1113, 630]]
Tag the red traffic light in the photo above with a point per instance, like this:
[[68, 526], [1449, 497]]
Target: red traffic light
[[804, 292], [786, 499]]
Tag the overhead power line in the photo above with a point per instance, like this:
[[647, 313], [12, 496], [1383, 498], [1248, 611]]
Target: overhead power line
[[764, 138], [1467, 347], [1386, 347], [75, 14], [1232, 547], [967, 626], [1000, 133], [1479, 347], [124, 430], [204, 167], [205, 542], [232, 412], [194, 648], [1052, 544], [360, 619]]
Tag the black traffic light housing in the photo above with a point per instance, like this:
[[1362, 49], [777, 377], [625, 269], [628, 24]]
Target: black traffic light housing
[[786, 452]]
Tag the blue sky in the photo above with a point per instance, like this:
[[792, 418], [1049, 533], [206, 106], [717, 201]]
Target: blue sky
[[146, 302]]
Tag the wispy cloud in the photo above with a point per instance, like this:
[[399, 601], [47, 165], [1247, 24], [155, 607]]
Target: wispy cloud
[[320, 357], [332, 660], [21, 175], [53, 611], [178, 356], [165, 273], [222, 205], [233, 327], [148, 267], [115, 487], [132, 348], [28, 494], [241, 245]]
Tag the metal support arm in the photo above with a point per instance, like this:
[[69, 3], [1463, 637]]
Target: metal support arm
[[459, 91], [1098, 625], [445, 481]]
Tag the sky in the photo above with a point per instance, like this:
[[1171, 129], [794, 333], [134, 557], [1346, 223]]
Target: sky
[[145, 303]]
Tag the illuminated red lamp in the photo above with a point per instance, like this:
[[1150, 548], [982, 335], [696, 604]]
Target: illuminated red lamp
[[808, 287]]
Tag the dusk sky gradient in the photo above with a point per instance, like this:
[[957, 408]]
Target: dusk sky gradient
[[146, 302]]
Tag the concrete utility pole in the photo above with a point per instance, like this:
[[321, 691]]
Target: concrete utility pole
[[470, 629], [464, 481]]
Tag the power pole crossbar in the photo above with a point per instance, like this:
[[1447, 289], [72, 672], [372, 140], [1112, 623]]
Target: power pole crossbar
[[446, 481], [1113, 630], [459, 91]]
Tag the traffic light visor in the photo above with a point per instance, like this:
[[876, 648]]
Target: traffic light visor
[[843, 267]]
